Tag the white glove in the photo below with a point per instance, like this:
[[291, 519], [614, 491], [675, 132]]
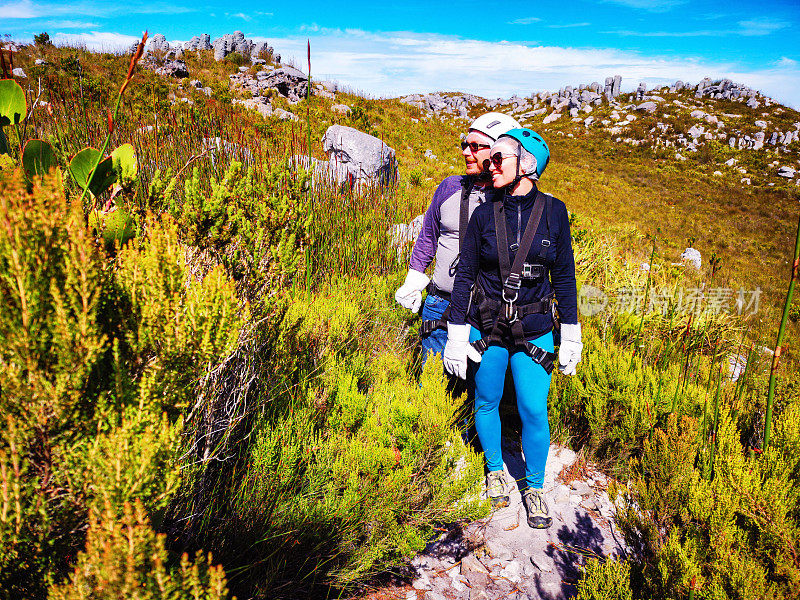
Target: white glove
[[458, 350], [409, 295], [569, 354]]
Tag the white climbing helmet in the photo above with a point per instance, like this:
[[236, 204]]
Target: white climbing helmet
[[494, 124]]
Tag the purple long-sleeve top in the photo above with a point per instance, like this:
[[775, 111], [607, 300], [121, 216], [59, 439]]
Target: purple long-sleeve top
[[439, 236]]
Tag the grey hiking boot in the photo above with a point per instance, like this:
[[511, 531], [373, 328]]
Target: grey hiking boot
[[536, 508], [497, 489]]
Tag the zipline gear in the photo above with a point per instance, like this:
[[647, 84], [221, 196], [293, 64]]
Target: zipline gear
[[497, 489], [503, 319], [458, 350], [532, 142], [569, 353], [494, 124], [409, 295], [479, 264], [536, 509]]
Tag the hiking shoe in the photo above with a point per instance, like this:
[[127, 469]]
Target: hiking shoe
[[497, 489], [538, 513]]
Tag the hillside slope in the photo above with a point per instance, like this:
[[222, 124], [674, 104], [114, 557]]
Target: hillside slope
[[203, 353]]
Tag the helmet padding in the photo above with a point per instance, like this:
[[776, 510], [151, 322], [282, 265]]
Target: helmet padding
[[527, 161]]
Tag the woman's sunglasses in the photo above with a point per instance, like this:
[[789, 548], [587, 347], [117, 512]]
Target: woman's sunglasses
[[474, 146], [497, 158]]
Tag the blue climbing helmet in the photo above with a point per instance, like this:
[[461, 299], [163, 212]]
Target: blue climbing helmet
[[533, 143]]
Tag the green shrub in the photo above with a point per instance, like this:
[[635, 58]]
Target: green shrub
[[125, 558], [605, 580]]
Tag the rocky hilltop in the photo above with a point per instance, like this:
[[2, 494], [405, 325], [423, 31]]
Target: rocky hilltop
[[681, 121], [680, 118], [229, 43]]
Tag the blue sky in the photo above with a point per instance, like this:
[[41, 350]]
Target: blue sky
[[488, 48]]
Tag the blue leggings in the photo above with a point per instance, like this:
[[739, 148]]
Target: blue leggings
[[532, 384]]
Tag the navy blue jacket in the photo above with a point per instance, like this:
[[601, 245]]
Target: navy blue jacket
[[479, 261]]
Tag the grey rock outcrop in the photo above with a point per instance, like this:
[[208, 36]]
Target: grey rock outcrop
[[264, 50], [288, 81], [158, 43], [174, 68], [174, 54], [229, 43], [365, 157], [18, 72], [199, 42]]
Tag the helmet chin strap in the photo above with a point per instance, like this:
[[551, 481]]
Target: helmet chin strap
[[519, 177], [485, 174]]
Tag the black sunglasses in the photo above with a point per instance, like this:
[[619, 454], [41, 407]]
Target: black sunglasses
[[497, 158], [474, 146]]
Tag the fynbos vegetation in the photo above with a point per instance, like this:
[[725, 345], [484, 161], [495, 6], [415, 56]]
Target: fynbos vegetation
[[206, 390]]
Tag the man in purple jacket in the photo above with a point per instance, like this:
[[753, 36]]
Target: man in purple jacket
[[443, 228]]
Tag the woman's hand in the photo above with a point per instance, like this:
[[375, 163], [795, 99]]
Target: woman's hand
[[458, 350], [569, 353]]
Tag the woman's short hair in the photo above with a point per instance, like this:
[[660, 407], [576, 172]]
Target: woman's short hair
[[527, 161]]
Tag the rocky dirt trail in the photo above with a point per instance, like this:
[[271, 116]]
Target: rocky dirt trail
[[501, 557]]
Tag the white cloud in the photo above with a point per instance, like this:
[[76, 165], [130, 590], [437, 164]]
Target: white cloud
[[755, 27], [239, 16], [391, 64], [66, 24], [96, 40], [525, 21], [568, 25], [762, 26], [25, 9], [650, 5]]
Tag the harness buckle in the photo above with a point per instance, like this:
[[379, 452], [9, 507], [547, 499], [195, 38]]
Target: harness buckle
[[480, 345], [546, 243], [513, 282]]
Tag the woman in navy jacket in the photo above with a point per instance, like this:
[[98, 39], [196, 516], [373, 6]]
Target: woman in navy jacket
[[502, 313]]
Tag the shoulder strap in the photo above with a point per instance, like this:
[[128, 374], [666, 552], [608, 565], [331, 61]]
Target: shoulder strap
[[507, 270], [548, 240], [463, 217], [527, 237], [502, 239]]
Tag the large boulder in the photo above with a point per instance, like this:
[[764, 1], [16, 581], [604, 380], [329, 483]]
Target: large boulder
[[229, 43], [199, 42], [367, 158], [158, 43], [240, 44], [174, 68], [288, 81]]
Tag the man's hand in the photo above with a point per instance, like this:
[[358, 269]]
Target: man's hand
[[409, 295]]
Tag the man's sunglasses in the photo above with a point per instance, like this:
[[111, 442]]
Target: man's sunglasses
[[474, 146], [497, 158]]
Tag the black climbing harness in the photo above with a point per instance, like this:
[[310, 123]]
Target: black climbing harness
[[503, 319]]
